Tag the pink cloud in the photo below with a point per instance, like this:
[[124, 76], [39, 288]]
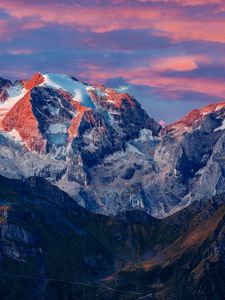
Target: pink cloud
[[5, 30], [187, 30], [175, 63], [197, 2], [182, 2], [168, 85], [213, 87], [172, 21], [10, 27]]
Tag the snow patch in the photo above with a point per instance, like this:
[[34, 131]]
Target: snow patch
[[15, 91], [15, 94], [97, 90], [57, 128], [145, 135]]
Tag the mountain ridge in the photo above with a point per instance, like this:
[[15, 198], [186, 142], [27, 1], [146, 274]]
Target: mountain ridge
[[103, 149]]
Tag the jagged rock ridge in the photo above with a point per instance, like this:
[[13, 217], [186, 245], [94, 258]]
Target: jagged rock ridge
[[103, 149]]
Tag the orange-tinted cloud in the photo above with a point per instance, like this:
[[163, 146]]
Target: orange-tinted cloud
[[188, 30], [197, 2], [173, 21], [97, 19], [175, 63], [213, 87]]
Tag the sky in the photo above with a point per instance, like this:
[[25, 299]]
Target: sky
[[168, 54]]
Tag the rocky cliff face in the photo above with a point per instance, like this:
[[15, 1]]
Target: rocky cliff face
[[103, 149], [190, 146]]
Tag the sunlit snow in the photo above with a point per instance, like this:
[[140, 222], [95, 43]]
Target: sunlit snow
[[15, 94], [64, 82]]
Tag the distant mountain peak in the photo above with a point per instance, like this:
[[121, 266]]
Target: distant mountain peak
[[194, 118]]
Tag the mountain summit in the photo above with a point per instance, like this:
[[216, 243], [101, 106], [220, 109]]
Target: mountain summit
[[49, 111], [103, 149]]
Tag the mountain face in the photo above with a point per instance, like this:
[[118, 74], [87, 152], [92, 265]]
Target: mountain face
[[197, 168], [63, 130], [51, 248], [102, 148]]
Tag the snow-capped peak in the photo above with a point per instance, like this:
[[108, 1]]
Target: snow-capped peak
[[76, 89]]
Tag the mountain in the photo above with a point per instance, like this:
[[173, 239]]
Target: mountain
[[51, 248], [103, 149], [63, 130], [194, 153]]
